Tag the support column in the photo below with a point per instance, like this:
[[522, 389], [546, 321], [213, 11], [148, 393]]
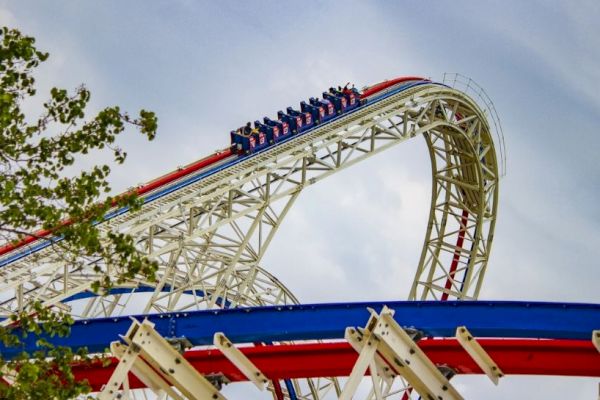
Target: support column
[[384, 339], [152, 359]]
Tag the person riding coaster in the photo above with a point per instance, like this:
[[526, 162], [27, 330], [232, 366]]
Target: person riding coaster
[[249, 139]]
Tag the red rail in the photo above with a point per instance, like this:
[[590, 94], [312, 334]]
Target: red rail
[[183, 172], [384, 85], [522, 356], [459, 244], [154, 184]]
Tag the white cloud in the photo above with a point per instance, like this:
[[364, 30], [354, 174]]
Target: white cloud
[[7, 18], [565, 45]]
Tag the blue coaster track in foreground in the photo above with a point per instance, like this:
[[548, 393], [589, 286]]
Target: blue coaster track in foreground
[[498, 319]]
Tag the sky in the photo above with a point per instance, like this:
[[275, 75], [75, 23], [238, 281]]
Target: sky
[[207, 67]]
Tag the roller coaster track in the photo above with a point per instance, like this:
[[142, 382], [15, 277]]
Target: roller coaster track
[[210, 234], [486, 319], [209, 228], [514, 357], [566, 330]]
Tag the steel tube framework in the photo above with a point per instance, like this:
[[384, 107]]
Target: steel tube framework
[[210, 224], [209, 236]]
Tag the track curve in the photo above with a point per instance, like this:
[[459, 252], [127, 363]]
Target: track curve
[[223, 219], [514, 357], [209, 225]]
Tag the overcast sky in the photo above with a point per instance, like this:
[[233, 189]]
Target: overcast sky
[[207, 67]]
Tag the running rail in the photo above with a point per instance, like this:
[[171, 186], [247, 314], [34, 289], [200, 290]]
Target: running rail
[[376, 92], [489, 319], [139, 191], [314, 360]]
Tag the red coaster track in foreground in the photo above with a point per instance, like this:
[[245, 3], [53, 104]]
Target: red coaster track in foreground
[[514, 356]]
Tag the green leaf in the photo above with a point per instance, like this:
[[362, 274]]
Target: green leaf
[[35, 192]]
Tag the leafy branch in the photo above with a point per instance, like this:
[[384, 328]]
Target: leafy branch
[[40, 190]]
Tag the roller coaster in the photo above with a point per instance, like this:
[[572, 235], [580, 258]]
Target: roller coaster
[[209, 224]]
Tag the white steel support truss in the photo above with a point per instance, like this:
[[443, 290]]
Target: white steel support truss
[[209, 237], [478, 354], [387, 350], [152, 359], [240, 361]]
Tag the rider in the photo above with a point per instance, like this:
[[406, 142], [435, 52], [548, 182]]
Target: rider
[[247, 129], [347, 90]]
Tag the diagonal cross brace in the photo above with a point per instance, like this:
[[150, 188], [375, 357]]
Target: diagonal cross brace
[[152, 359], [241, 362], [386, 340], [478, 354]]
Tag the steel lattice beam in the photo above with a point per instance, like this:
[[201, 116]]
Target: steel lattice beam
[[210, 235], [202, 234]]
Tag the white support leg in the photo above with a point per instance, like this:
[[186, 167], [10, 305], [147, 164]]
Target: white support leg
[[149, 377], [355, 338], [119, 376], [376, 379], [406, 357], [384, 338], [380, 372], [171, 365], [478, 354], [238, 359], [150, 357], [365, 358], [596, 339]]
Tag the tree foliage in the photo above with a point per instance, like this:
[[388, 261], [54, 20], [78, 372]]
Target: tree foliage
[[42, 188]]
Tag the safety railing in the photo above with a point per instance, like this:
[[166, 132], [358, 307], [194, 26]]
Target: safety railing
[[472, 89]]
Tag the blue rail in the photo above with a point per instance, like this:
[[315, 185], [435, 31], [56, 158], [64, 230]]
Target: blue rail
[[197, 177], [502, 319]]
